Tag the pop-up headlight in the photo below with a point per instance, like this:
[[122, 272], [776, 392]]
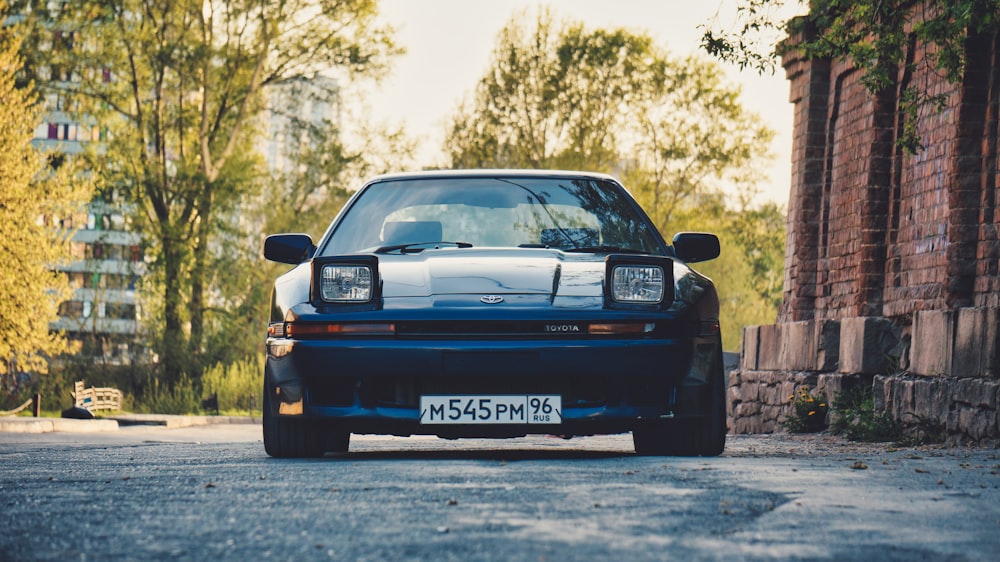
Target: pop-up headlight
[[637, 283], [345, 280], [345, 283]]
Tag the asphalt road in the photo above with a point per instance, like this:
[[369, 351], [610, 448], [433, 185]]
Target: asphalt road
[[210, 493]]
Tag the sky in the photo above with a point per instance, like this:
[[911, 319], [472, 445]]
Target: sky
[[449, 44]]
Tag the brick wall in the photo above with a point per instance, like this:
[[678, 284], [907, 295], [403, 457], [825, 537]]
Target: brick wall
[[809, 91], [874, 230], [983, 83], [894, 255]]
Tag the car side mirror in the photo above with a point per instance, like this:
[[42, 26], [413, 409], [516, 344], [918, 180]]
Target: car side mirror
[[692, 247], [288, 248]]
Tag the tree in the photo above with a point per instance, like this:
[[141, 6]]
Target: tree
[[180, 87], [608, 101], [692, 137], [877, 36], [759, 232], [32, 198], [748, 274], [303, 197], [562, 96], [553, 97]]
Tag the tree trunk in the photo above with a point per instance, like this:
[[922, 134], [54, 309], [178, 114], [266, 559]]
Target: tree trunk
[[198, 277], [174, 349]]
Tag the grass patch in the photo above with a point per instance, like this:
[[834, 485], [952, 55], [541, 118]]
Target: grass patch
[[237, 386], [857, 418], [43, 414], [179, 400]]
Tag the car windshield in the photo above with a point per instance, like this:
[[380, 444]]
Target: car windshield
[[571, 214]]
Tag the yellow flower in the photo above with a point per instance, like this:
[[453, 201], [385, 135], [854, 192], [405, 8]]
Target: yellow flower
[[812, 413]]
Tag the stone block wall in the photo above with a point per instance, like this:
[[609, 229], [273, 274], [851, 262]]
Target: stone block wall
[[967, 408], [941, 369], [761, 401]]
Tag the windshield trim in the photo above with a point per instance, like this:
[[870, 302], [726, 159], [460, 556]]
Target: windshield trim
[[657, 245]]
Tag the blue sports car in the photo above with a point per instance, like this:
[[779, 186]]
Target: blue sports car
[[493, 303]]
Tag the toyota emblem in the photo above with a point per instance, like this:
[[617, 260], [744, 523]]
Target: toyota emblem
[[491, 299]]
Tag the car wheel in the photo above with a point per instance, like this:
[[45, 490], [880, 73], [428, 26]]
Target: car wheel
[[704, 437], [298, 438]]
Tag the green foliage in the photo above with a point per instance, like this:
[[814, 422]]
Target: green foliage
[[184, 88], [810, 412], [33, 197], [758, 24], [180, 398], [562, 96], [55, 388], [306, 199], [879, 37], [738, 280], [238, 385], [759, 233], [858, 419], [302, 198]]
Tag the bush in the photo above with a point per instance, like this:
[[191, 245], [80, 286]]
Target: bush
[[56, 386], [238, 385], [810, 412], [53, 387], [179, 400], [858, 420]]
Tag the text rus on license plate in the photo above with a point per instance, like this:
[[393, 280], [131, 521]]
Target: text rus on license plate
[[491, 409]]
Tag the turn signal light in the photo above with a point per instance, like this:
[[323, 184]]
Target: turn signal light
[[302, 329], [621, 328]]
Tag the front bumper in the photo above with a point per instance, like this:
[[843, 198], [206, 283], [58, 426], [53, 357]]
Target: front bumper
[[373, 385]]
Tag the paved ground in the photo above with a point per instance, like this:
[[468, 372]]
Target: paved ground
[[210, 492], [23, 424]]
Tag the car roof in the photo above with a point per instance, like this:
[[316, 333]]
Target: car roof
[[490, 173]]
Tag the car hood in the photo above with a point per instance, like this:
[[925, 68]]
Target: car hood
[[463, 271]]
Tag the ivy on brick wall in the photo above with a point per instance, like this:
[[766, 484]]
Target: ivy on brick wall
[[885, 39]]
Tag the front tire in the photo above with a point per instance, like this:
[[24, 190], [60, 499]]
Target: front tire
[[681, 438], [704, 437], [296, 437]]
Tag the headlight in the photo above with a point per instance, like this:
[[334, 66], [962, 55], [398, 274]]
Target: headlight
[[637, 283], [346, 283]]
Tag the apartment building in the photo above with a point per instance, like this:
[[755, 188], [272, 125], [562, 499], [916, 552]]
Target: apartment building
[[108, 261]]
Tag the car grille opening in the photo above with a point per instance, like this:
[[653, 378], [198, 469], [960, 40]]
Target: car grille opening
[[577, 391], [492, 328], [536, 329], [332, 391]]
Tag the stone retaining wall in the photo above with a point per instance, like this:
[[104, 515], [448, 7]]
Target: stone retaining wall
[[936, 367], [966, 407], [761, 401]]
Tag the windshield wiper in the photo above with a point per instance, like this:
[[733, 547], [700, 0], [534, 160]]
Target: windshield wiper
[[417, 247], [605, 250]]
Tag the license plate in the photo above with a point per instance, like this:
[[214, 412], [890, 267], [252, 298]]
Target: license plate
[[491, 409]]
